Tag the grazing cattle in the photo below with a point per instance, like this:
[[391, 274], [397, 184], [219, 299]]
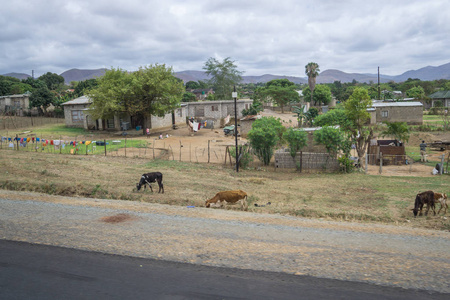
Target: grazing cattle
[[421, 199], [228, 197], [149, 178], [442, 199]]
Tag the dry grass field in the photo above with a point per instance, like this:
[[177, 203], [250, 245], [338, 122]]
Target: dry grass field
[[345, 197], [386, 198]]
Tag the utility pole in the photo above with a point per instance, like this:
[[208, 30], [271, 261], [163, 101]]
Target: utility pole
[[234, 95], [379, 88]]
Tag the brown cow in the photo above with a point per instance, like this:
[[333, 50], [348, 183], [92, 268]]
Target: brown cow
[[442, 199], [228, 197], [421, 199]]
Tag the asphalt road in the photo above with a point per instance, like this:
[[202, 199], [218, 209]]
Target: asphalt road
[[29, 271], [384, 258]]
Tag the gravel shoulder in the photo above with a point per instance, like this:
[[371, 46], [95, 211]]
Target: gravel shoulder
[[380, 254]]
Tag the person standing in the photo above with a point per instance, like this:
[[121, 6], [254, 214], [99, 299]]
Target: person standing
[[423, 152]]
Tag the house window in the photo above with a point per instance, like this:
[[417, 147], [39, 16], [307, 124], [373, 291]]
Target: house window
[[17, 103], [77, 116], [384, 114]]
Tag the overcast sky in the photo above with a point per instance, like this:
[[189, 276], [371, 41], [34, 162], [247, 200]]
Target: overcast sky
[[262, 37]]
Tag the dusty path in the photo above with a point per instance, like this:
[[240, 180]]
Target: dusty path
[[386, 255]]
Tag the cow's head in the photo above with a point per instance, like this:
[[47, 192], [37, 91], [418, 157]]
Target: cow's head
[[415, 211], [207, 203], [138, 186]]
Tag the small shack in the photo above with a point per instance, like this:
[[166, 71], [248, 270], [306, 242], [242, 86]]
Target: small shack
[[391, 151]]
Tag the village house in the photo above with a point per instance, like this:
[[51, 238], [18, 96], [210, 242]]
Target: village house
[[15, 104], [442, 96], [216, 109], [409, 112], [76, 114]]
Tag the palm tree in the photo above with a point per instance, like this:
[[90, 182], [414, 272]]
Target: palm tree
[[312, 70]]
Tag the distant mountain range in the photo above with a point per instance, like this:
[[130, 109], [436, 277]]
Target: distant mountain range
[[327, 76]]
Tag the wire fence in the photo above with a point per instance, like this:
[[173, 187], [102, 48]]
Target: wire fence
[[165, 149]]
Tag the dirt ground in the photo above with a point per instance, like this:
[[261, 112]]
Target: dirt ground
[[181, 139]]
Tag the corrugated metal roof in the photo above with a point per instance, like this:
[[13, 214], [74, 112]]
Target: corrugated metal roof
[[79, 100], [440, 95], [396, 104]]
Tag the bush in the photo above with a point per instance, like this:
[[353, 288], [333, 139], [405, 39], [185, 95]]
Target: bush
[[246, 156], [437, 110]]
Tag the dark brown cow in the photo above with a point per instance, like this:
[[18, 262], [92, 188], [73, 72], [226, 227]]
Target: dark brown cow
[[422, 199]]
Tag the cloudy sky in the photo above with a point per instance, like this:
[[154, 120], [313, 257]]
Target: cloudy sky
[[262, 37]]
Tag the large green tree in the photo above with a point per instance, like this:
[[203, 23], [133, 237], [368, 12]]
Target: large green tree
[[321, 94], [152, 90], [358, 128], [280, 91], [84, 86], [416, 92], [224, 75], [192, 85], [312, 71], [52, 80], [41, 98]]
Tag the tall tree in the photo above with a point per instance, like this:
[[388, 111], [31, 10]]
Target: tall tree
[[224, 75], [280, 91], [356, 111], [152, 90], [52, 80], [192, 85], [84, 86], [41, 98], [321, 94], [312, 71]]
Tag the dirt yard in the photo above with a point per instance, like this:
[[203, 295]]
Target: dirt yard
[[194, 147]]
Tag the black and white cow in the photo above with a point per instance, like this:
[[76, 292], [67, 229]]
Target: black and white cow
[[149, 178]]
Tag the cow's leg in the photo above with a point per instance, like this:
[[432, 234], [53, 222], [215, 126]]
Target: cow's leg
[[161, 186], [420, 209], [428, 208]]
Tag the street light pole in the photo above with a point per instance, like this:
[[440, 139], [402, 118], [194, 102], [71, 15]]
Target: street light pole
[[234, 94]]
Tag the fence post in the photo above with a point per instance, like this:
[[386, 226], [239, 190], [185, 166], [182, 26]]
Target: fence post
[[381, 162], [301, 161], [180, 149], [208, 151], [154, 141], [367, 163], [17, 142], [104, 144], [441, 169]]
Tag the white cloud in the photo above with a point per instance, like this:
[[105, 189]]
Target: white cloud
[[277, 37]]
